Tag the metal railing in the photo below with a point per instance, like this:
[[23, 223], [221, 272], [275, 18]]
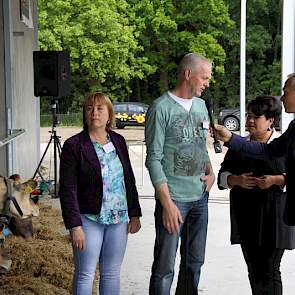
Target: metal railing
[[14, 133], [137, 155]]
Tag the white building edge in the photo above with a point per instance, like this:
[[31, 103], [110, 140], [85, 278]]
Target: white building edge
[[288, 51], [19, 109]]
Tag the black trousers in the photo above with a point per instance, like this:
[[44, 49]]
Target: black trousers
[[263, 264]]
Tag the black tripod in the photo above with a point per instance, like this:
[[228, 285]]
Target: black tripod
[[56, 145]]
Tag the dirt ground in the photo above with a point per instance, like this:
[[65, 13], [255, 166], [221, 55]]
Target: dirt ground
[[65, 132], [42, 266], [129, 133]]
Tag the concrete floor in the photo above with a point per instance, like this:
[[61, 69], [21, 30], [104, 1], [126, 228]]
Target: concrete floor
[[224, 272]]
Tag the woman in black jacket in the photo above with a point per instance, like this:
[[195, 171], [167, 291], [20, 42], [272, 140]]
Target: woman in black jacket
[[99, 199], [257, 201]]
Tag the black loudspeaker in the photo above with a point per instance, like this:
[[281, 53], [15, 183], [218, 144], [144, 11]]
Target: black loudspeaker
[[52, 73]]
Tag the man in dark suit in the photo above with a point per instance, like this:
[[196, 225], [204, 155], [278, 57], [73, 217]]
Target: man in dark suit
[[284, 145]]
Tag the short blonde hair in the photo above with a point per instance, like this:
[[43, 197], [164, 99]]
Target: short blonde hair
[[101, 98]]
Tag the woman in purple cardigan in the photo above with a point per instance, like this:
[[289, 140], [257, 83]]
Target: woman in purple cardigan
[[98, 196]]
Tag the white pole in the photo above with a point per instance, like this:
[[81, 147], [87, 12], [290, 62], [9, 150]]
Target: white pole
[[8, 60], [288, 50], [243, 67]]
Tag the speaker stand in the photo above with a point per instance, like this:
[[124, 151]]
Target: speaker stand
[[55, 139]]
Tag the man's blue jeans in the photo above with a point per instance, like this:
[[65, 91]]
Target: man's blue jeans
[[105, 244], [193, 234]]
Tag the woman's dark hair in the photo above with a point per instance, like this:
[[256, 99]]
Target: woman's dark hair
[[269, 106]]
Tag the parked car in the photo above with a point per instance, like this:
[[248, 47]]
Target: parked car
[[230, 118], [130, 114]]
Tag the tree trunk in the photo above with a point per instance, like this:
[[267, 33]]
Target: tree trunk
[[138, 93], [163, 83]]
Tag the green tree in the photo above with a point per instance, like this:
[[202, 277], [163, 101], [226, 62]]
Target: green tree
[[263, 53], [101, 40], [169, 29], [130, 48]]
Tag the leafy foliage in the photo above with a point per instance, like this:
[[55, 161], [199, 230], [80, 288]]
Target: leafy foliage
[[101, 41], [263, 53], [130, 48]]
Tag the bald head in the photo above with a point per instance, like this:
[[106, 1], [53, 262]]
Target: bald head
[[194, 74], [291, 80], [192, 61]]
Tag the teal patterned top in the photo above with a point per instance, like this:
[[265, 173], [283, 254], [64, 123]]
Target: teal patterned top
[[176, 147], [114, 208]]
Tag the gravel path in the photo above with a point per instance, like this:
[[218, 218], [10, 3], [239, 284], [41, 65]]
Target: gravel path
[[66, 132]]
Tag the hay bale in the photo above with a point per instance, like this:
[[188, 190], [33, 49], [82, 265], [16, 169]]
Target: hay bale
[[43, 265]]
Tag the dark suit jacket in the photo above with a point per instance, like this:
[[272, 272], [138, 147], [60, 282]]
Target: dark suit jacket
[[80, 185], [282, 146], [257, 215]]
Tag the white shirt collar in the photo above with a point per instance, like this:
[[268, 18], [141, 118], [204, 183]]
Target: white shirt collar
[[186, 103], [274, 135]]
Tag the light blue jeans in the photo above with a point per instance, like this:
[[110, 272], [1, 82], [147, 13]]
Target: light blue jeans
[[193, 234], [105, 244]]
